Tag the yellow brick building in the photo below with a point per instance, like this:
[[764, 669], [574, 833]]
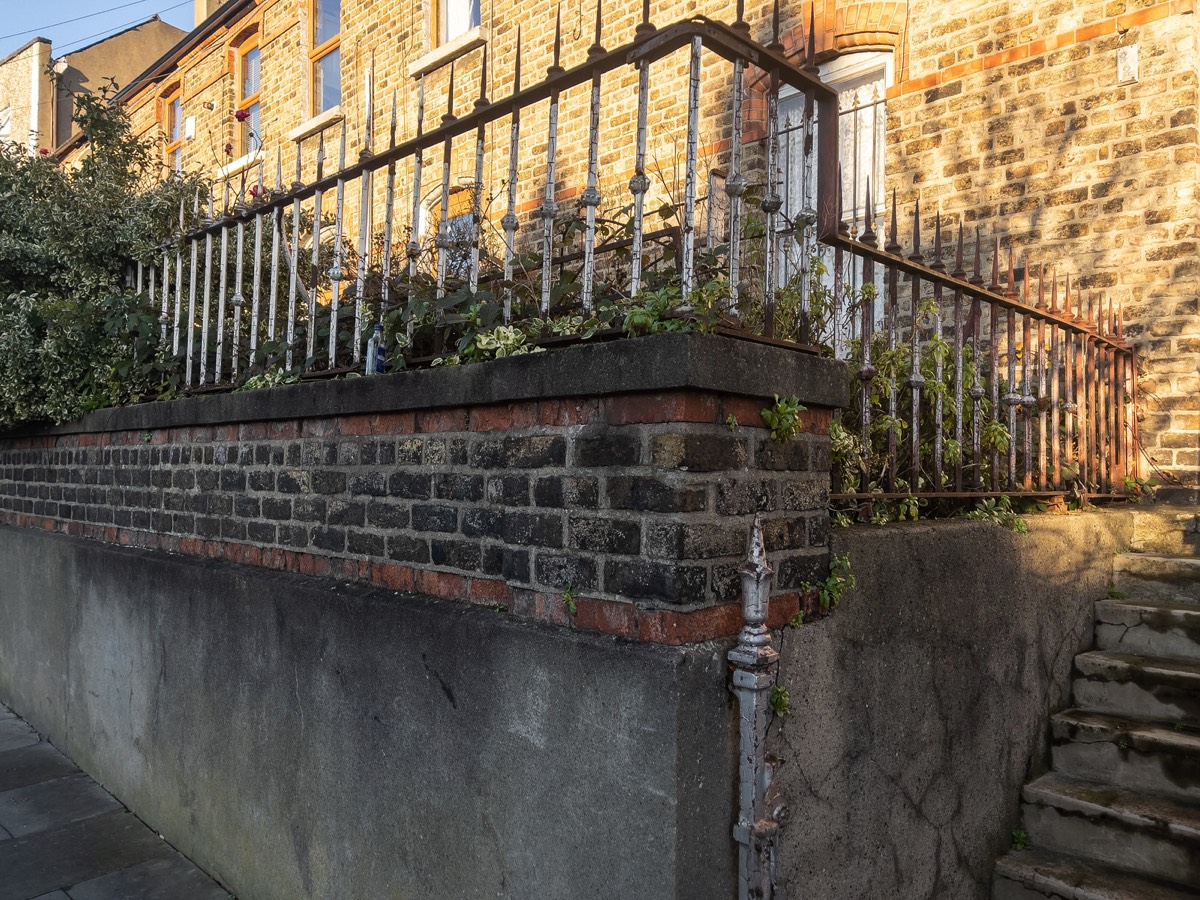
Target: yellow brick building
[[1066, 131]]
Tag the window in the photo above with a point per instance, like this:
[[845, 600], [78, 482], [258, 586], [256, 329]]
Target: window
[[326, 54], [248, 107], [454, 18], [173, 107]]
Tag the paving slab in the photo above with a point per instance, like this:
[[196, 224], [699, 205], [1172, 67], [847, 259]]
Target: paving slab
[[15, 733], [39, 807], [170, 878], [31, 765], [63, 837], [81, 851]]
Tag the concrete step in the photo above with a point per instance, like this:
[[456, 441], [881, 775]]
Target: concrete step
[[1168, 529], [1140, 576], [1133, 831], [1037, 874], [1138, 687], [1128, 754], [1149, 627]]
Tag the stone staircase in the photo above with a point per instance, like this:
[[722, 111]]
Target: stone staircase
[[1118, 816]]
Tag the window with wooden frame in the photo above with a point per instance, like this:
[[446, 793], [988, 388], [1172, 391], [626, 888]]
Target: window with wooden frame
[[326, 54], [249, 109], [172, 118], [452, 18]]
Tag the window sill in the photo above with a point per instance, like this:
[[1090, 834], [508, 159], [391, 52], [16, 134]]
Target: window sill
[[240, 165], [331, 116], [439, 56]]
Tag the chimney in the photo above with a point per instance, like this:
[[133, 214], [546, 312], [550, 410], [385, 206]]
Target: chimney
[[204, 9]]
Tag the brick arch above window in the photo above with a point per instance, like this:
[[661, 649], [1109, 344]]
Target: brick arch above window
[[844, 27]]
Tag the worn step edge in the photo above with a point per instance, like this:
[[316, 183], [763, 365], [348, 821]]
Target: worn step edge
[[1123, 666], [1127, 752], [1135, 809], [1135, 612], [1058, 875], [1142, 574]]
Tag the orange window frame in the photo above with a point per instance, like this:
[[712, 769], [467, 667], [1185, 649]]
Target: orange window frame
[[245, 102], [172, 115], [320, 50], [440, 27]]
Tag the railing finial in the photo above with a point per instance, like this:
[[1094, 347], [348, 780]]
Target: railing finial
[[843, 228], [646, 27], [1054, 292], [556, 66], [1041, 297], [994, 287], [959, 272], [811, 63], [937, 264], [517, 65], [775, 44], [739, 23], [449, 116], [1010, 289], [893, 244], [977, 271], [868, 235], [916, 233], [482, 100], [597, 48]]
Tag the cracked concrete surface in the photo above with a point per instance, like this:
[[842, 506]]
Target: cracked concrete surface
[[919, 707]]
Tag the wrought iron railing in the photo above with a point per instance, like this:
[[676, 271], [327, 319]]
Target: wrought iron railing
[[964, 386]]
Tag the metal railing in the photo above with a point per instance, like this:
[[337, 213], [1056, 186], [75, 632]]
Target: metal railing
[[964, 386], [322, 281]]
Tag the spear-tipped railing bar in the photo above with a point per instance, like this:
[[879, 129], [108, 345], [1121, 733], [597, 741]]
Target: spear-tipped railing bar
[[771, 204], [867, 370], [754, 660], [222, 287], [1103, 374], [509, 222], [294, 273], [191, 315], [164, 317], [178, 282], [315, 263], [206, 311], [256, 286], [838, 281], [1087, 405], [549, 209], [442, 241], [389, 217], [1057, 372], [477, 191], [364, 215], [413, 248], [735, 183], [938, 362], [276, 237], [892, 310], [1068, 375], [693, 144], [1043, 358], [640, 184], [960, 275], [1028, 400], [335, 267], [916, 381], [238, 301], [590, 199]]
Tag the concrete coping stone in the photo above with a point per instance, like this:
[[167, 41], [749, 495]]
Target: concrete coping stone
[[703, 362]]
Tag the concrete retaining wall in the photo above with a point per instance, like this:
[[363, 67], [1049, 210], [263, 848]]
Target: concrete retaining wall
[[920, 706], [300, 738]]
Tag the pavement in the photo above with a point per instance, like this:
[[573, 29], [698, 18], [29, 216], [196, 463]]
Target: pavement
[[63, 837]]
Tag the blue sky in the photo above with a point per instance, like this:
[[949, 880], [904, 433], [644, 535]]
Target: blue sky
[[23, 20]]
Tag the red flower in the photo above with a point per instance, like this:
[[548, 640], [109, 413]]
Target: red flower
[[44, 152], [242, 115], [229, 149], [254, 191]]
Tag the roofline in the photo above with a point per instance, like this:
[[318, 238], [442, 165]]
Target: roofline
[[167, 62], [24, 47], [115, 34]]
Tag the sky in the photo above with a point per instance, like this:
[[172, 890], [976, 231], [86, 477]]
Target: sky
[[23, 20]]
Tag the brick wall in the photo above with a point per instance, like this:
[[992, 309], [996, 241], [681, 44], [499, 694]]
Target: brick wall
[[1010, 116], [639, 502]]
